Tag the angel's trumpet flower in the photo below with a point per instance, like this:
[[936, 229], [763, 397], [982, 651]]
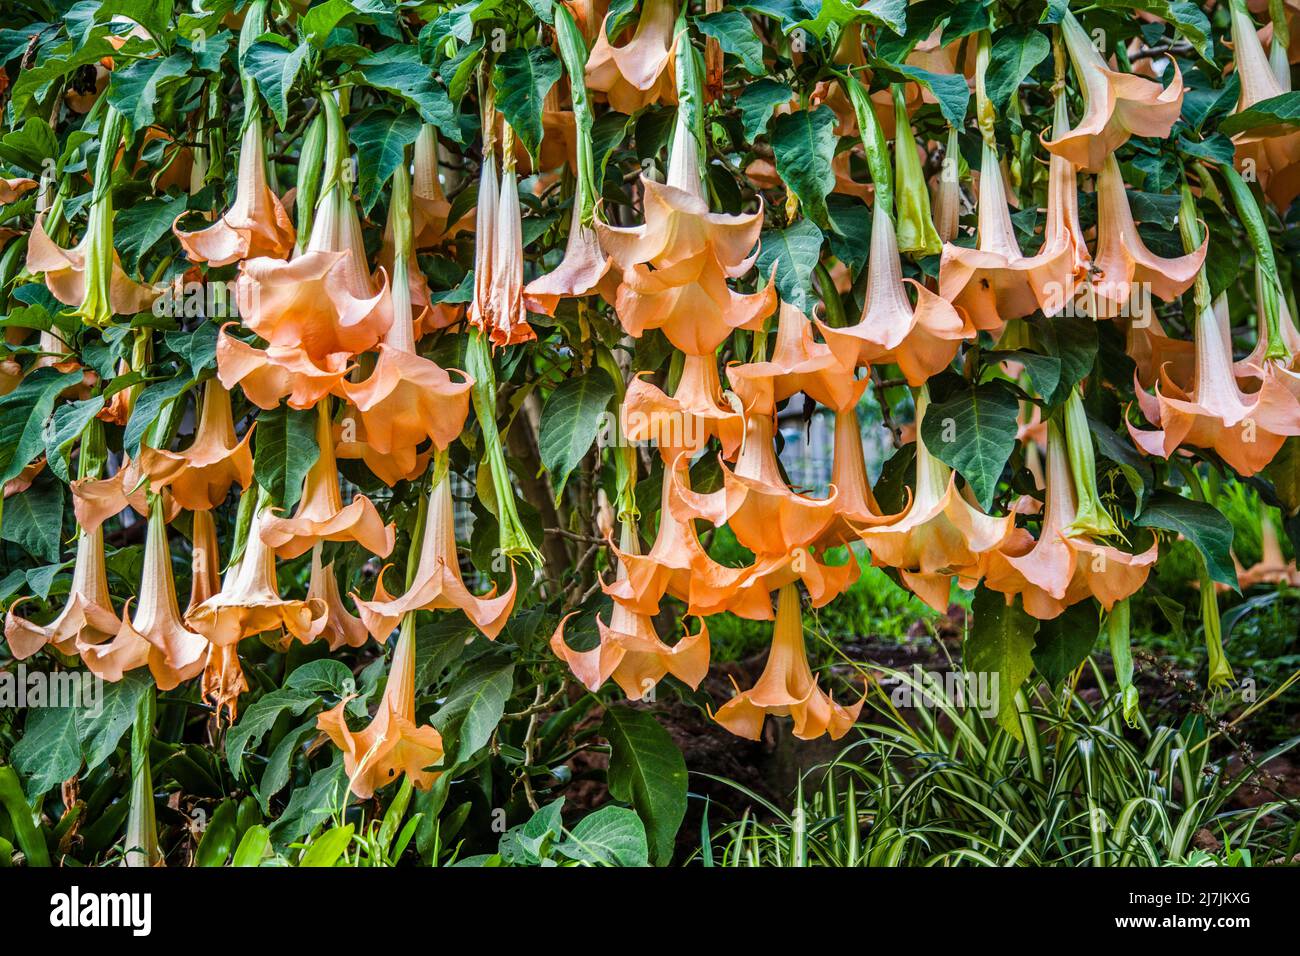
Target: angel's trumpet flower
[[256, 224], [321, 515], [676, 266], [1274, 153], [641, 71], [995, 282], [392, 743], [430, 210], [407, 398], [1151, 349], [856, 504], [1258, 363], [1116, 105], [500, 307], [1062, 226], [87, 616], [436, 583], [223, 678], [11, 189], [249, 601], [1272, 567], [156, 635], [947, 196], [1245, 430], [787, 687], [631, 652], [95, 500], [200, 477], [583, 270], [1065, 565], [763, 512], [676, 564], [1125, 268], [268, 375], [684, 421], [799, 364], [940, 535], [920, 339], [403, 463], [342, 628]]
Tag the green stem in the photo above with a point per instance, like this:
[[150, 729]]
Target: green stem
[[574, 53], [1121, 652], [1252, 217], [141, 827]]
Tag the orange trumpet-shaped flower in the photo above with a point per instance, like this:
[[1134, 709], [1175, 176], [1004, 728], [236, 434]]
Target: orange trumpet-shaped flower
[[200, 477], [499, 307], [322, 302], [921, 340], [222, 680], [1063, 566], [1245, 430], [995, 282], [684, 421], [429, 206], [407, 398], [1274, 153], [11, 189], [641, 71], [87, 615], [268, 375], [321, 515], [342, 628], [630, 651], [583, 270], [676, 564], [1116, 105], [1124, 265], [1272, 567], [156, 635], [766, 516], [401, 464], [95, 500], [856, 504], [249, 601], [940, 535], [1152, 349], [437, 583], [798, 364], [787, 687], [66, 270], [256, 224], [675, 267], [392, 743]]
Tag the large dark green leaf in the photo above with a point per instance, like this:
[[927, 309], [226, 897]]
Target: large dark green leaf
[[974, 432], [33, 520], [1063, 643], [1200, 523], [794, 252], [400, 71], [23, 414], [1015, 53], [648, 771], [735, 35], [474, 706], [274, 65], [137, 228], [286, 450], [571, 421], [804, 145], [134, 91], [757, 102], [522, 79], [381, 139], [1001, 643]]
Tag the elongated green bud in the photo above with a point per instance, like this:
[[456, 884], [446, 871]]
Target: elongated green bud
[[914, 223], [873, 142], [1121, 652], [311, 169], [574, 53], [1091, 518]]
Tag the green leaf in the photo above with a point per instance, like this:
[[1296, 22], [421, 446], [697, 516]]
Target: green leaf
[[949, 89], [326, 849], [23, 414], [794, 252], [138, 227], [648, 771], [612, 836], [1200, 523], [570, 422], [381, 139], [1064, 642], [286, 450], [1015, 53], [1274, 116], [1284, 472], [33, 520], [1044, 370], [522, 78], [154, 15], [758, 101], [735, 35], [101, 732], [400, 71], [198, 347], [253, 848], [31, 146], [1187, 18], [1073, 340], [474, 707], [974, 432], [1000, 643], [325, 795], [804, 145], [48, 751], [258, 718], [149, 404], [134, 91], [65, 427], [274, 65]]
